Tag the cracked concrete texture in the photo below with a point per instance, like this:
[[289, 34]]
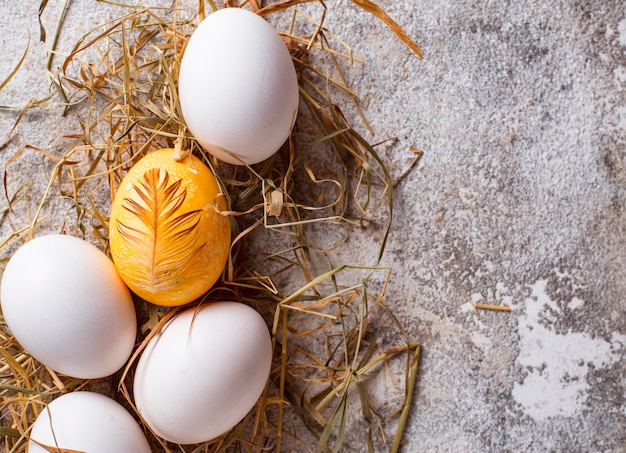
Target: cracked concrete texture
[[519, 200]]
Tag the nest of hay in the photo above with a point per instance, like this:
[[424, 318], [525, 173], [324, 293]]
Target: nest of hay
[[335, 341]]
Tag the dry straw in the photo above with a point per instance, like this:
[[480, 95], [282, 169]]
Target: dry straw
[[336, 343]]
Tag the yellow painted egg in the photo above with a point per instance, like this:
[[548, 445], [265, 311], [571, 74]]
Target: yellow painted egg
[[168, 241]]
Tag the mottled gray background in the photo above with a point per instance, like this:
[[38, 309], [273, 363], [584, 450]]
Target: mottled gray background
[[519, 199]]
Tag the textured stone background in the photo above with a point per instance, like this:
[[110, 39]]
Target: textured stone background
[[519, 199]]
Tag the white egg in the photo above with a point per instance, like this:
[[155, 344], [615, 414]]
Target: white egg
[[203, 372], [238, 87], [66, 305], [86, 422]]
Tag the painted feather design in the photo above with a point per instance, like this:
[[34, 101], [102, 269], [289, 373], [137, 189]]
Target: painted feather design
[[168, 242]]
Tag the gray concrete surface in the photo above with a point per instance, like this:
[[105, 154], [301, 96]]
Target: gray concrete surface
[[519, 199]]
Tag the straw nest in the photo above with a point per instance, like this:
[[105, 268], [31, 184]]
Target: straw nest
[[335, 342]]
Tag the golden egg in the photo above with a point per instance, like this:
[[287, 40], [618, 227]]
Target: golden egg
[[168, 240]]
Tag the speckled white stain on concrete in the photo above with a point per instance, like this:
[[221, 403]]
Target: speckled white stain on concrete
[[557, 363]]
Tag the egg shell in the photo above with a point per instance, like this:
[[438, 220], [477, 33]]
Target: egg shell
[[203, 372], [167, 240], [87, 422], [238, 87], [66, 305]]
